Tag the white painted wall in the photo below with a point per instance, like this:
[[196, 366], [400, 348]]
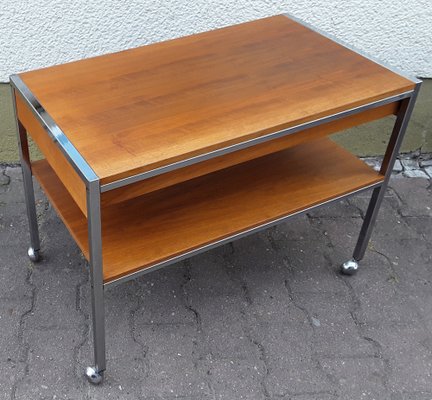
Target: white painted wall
[[35, 34]]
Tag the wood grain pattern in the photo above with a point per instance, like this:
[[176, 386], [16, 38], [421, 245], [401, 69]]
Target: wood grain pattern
[[238, 157], [143, 231], [143, 108], [58, 161]]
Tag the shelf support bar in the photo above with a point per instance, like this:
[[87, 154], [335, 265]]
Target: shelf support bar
[[23, 147], [391, 153], [95, 373]]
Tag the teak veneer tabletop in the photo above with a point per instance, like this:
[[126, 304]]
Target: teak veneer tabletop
[[139, 109]]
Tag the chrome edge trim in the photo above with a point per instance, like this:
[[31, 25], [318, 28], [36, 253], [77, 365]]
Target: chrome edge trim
[[249, 143], [67, 148], [352, 48], [236, 236]]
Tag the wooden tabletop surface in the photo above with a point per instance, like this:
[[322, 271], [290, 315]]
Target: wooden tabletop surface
[[139, 109]]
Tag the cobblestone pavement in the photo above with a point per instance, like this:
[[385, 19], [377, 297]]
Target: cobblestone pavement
[[267, 317]]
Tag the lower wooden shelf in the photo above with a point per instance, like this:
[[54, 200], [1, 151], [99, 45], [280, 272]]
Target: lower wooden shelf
[[146, 230]]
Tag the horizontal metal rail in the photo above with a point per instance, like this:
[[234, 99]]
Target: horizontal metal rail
[[252, 142], [231, 238]]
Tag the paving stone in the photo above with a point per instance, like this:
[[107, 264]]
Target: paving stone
[[410, 164], [426, 162], [416, 195], [309, 396], [126, 357], [372, 162], [14, 273], [172, 357], [397, 175], [292, 261], [11, 195], [222, 332], [412, 395], [422, 225], [191, 397], [407, 350], [397, 167], [13, 229], [288, 357], [428, 171], [416, 173], [341, 238], [298, 228], [335, 331], [162, 298], [209, 273], [55, 304], [368, 381], [423, 302], [236, 379], [382, 303], [12, 315], [4, 179], [10, 371], [337, 209], [51, 365], [309, 268], [409, 259], [388, 215]]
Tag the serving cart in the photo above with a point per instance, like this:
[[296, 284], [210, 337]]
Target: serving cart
[[155, 154]]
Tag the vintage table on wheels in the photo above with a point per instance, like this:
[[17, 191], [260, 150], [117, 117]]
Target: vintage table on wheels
[[158, 153]]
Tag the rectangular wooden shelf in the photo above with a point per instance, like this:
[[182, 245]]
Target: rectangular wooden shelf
[[146, 230]]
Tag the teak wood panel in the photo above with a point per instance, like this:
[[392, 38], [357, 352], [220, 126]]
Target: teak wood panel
[[140, 109], [218, 163], [72, 181], [157, 226]]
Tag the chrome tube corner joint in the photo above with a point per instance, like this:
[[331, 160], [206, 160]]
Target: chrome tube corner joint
[[95, 373], [350, 267], [34, 249], [59, 138]]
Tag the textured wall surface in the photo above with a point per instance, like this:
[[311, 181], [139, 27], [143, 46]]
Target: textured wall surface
[[47, 32]]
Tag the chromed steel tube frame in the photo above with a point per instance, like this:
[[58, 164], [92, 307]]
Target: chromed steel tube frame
[[96, 274], [94, 188]]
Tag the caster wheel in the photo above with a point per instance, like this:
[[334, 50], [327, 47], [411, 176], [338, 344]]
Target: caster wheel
[[94, 376], [33, 254], [349, 267]]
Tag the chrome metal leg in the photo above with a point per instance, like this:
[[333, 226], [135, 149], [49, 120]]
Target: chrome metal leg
[[351, 266], [95, 374], [34, 249], [368, 223]]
